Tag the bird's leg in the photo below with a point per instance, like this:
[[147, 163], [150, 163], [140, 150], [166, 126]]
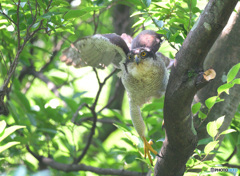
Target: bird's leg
[[148, 148]]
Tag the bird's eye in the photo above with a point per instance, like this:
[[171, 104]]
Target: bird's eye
[[143, 53]]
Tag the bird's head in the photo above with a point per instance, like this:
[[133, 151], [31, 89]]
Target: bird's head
[[143, 47], [138, 55]]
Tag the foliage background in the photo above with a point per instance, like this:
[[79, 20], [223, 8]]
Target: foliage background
[[44, 95]]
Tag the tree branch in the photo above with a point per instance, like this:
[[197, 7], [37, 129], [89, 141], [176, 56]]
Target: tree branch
[[181, 137], [5, 88], [82, 167], [93, 111]]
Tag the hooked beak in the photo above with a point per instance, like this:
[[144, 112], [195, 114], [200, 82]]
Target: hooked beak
[[137, 60]]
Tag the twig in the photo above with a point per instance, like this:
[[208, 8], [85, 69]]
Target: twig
[[1, 12], [76, 113], [38, 157], [101, 85], [77, 160], [111, 99], [95, 21], [93, 111], [17, 25], [20, 46], [232, 154], [103, 120]]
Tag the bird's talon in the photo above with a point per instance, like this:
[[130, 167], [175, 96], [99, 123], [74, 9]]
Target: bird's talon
[[148, 148]]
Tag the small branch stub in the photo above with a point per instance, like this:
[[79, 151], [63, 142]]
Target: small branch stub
[[209, 74], [205, 77]]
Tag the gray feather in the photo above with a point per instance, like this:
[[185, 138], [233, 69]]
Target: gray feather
[[96, 51]]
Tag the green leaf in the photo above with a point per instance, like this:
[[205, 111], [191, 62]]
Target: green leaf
[[22, 100], [204, 141], [201, 115], [236, 81], [122, 126], [152, 107], [227, 131], [146, 2], [211, 101], [8, 145], [219, 121], [117, 114], [196, 107], [22, 4], [212, 129], [60, 2], [77, 13], [210, 146], [10, 130], [224, 88], [139, 22], [233, 72], [2, 126], [158, 23], [129, 158]]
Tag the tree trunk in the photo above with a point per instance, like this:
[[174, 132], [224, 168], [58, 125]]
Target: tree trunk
[[185, 80]]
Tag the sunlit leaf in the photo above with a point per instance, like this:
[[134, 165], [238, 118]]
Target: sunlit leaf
[[10, 130], [78, 13], [236, 81], [146, 2], [210, 146], [224, 88], [8, 145], [212, 128], [220, 121], [210, 102], [227, 131], [2, 126], [139, 22], [233, 72]]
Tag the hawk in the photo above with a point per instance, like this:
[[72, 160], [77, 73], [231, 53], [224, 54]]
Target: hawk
[[143, 71]]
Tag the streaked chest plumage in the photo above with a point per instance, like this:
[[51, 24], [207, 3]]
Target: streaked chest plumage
[[145, 80]]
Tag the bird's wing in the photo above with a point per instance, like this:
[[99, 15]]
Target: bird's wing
[[96, 51]]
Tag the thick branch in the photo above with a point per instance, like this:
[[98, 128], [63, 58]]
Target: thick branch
[[181, 137], [223, 55], [82, 167]]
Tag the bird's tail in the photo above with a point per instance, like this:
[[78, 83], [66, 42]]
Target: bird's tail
[[137, 119]]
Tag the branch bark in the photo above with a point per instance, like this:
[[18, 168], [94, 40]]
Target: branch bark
[[181, 137], [82, 167]]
